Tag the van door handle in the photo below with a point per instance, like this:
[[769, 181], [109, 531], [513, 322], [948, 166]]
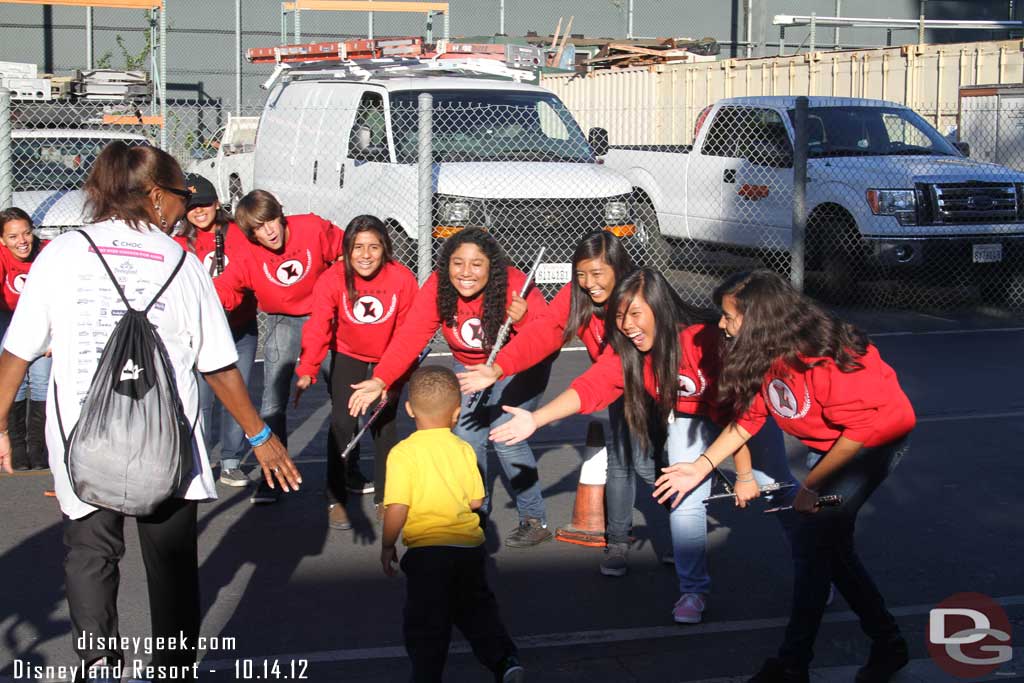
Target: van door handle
[[341, 175], [316, 164], [729, 175]]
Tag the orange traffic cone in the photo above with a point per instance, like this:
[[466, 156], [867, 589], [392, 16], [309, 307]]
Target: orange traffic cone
[[587, 527]]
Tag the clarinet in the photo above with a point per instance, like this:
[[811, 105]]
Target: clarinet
[[218, 250]]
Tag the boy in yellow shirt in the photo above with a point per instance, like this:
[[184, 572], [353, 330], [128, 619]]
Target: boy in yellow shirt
[[432, 488]]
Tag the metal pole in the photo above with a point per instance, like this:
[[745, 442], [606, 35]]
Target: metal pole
[[501, 18], [163, 75], [797, 248], [430, 26], [284, 25], [88, 38], [6, 169], [814, 31], [748, 11], [298, 25], [446, 34], [920, 23], [369, 25], [238, 57], [782, 41], [629, 20], [425, 171], [835, 32]]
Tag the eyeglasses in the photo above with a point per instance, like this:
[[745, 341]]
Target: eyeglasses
[[184, 194]]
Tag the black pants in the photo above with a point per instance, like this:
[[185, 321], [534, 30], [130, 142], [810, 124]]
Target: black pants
[[824, 552], [346, 371], [95, 546], [447, 586]]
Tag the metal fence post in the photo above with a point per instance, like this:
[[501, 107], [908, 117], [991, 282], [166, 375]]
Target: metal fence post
[[6, 169], [425, 170], [163, 76], [798, 243], [238, 57]]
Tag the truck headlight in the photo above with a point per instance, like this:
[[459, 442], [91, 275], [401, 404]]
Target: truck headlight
[[456, 213], [892, 202], [616, 213]]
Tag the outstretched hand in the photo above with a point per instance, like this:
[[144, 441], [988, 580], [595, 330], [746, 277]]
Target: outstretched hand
[[364, 395], [303, 383], [519, 428], [276, 464], [476, 378], [678, 480]]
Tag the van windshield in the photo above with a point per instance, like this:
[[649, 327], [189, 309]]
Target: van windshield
[[490, 125], [871, 131]]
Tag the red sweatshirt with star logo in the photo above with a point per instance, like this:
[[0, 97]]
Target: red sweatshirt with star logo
[[544, 336], [283, 282], [361, 327], [14, 273], [236, 246], [464, 339], [699, 367], [823, 403]]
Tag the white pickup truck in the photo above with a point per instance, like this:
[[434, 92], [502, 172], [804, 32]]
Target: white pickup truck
[[507, 156], [884, 189], [230, 170]]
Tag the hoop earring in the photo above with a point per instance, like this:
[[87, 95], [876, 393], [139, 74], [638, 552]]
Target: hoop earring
[[160, 215]]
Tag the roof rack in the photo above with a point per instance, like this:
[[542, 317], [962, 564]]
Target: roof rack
[[362, 48]]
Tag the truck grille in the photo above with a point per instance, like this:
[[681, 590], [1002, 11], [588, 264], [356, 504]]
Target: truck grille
[[966, 203], [522, 225]]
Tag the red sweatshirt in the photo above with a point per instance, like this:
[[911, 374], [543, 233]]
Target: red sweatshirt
[[361, 328], [283, 283], [14, 274], [699, 367], [823, 403], [544, 336], [463, 340], [236, 246]]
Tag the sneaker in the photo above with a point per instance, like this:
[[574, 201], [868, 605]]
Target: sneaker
[[337, 518], [831, 595], [355, 482], [616, 560], [233, 477], [264, 495], [689, 608], [669, 559], [775, 671], [511, 671], [528, 533], [886, 658]]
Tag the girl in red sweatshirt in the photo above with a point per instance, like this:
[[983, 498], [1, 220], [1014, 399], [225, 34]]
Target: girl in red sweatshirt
[[358, 307], [28, 413], [283, 258], [660, 342], [825, 384], [207, 231], [468, 298]]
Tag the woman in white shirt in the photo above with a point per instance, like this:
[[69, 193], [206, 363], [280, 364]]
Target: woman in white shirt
[[136, 196]]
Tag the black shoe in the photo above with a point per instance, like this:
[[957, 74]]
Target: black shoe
[[355, 482], [529, 533], [774, 670], [264, 495], [886, 658], [511, 671], [35, 437], [16, 433]]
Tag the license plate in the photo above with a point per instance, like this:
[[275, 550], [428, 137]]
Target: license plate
[[988, 253], [553, 273]]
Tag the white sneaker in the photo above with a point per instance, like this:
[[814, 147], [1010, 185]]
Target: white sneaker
[[689, 608]]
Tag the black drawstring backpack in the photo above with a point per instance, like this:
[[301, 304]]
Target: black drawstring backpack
[[132, 446]]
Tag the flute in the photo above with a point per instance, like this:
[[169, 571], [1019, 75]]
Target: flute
[[768, 488], [829, 501], [503, 330], [218, 250]]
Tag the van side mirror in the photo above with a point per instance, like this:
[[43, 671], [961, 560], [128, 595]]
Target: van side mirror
[[963, 147], [598, 139]]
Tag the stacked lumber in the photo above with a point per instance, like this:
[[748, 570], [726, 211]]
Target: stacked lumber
[[622, 55]]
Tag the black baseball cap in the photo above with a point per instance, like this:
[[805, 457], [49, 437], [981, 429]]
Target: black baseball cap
[[203, 192]]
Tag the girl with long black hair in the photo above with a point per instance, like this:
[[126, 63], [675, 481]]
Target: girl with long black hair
[[825, 384], [468, 297], [358, 305], [579, 309], [666, 368]]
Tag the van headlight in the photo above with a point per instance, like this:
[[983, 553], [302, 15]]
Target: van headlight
[[456, 213], [616, 213]]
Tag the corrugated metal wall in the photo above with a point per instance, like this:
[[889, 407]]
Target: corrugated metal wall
[[659, 105]]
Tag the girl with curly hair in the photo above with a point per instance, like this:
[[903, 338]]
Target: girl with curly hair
[[825, 384], [660, 341], [468, 297]]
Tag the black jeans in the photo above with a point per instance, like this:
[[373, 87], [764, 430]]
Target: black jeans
[[346, 371], [824, 553], [95, 546], [447, 586]]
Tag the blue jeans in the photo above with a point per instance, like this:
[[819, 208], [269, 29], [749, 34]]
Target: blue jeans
[[281, 350], [688, 437], [36, 380], [523, 391], [626, 462], [233, 444], [824, 553]]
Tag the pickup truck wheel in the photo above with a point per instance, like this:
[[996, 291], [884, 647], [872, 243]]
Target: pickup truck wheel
[[235, 190], [405, 247], [653, 250], [835, 250]]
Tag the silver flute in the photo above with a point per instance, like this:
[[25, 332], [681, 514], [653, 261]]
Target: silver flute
[[768, 488]]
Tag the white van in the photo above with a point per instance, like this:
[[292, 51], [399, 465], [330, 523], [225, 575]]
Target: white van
[[508, 156]]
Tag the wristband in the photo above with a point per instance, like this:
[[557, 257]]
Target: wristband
[[713, 468], [261, 437], [746, 477]]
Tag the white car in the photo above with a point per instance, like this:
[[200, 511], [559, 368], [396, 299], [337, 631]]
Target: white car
[[50, 166]]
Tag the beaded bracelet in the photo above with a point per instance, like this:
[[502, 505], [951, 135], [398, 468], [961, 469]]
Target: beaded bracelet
[[748, 477], [260, 437]]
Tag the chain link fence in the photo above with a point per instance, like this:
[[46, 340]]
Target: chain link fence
[[896, 216]]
